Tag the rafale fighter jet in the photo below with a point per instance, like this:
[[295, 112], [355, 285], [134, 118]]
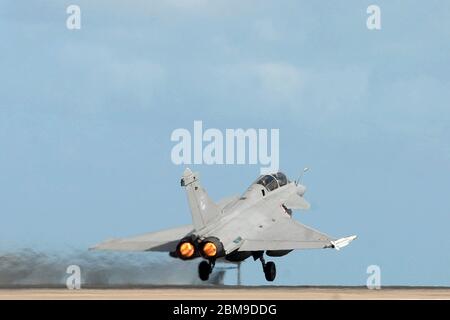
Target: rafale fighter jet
[[234, 229]]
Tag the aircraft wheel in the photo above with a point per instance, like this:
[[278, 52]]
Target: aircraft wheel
[[270, 271], [204, 269]]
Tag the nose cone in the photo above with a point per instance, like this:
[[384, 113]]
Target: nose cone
[[301, 190]]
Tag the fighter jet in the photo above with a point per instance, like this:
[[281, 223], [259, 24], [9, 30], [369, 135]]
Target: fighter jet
[[258, 222]]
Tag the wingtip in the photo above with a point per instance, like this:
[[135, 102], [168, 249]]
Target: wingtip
[[342, 242]]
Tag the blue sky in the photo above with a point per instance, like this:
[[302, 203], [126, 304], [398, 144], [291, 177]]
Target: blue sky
[[86, 118]]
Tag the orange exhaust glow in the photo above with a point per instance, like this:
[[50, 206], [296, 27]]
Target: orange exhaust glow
[[187, 249], [210, 249]]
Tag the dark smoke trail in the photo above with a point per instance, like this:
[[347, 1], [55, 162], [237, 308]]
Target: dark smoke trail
[[26, 267]]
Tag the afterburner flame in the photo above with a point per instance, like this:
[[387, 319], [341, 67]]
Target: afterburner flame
[[210, 249], [187, 249]]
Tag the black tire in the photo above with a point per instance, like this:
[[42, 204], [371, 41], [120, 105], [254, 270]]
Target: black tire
[[204, 269], [270, 271]]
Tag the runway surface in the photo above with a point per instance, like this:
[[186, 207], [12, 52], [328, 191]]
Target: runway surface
[[229, 293]]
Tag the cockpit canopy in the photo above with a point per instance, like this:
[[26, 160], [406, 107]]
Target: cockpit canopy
[[272, 181]]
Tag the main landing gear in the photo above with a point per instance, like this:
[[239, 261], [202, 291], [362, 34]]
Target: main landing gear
[[270, 271], [269, 268], [205, 268]]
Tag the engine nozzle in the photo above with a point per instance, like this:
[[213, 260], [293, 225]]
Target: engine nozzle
[[187, 249], [211, 248]]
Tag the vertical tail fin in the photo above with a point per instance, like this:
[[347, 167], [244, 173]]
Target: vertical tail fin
[[203, 209]]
